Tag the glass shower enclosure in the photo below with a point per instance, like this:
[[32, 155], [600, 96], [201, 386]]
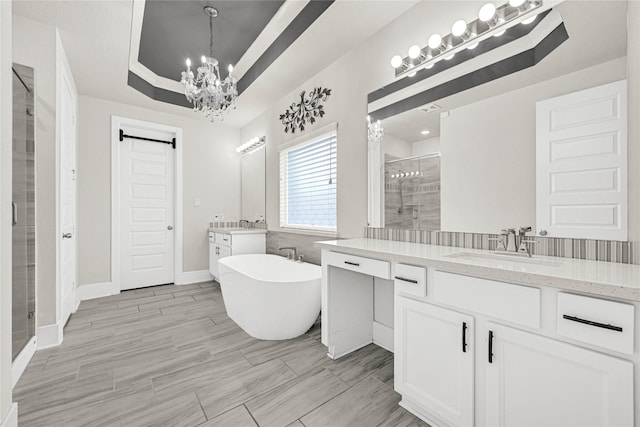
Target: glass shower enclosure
[[23, 205]]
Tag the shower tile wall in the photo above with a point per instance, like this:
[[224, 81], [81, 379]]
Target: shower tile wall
[[412, 202]]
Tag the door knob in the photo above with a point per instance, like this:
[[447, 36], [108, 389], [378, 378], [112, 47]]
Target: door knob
[[67, 235], [169, 227]]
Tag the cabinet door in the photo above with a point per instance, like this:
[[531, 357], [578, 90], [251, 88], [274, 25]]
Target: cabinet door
[[213, 260], [538, 381], [224, 251], [432, 368]]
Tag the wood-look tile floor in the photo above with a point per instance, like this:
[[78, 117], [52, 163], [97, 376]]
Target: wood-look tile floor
[[170, 356]]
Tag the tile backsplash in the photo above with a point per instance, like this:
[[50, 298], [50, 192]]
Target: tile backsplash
[[228, 224], [595, 250]]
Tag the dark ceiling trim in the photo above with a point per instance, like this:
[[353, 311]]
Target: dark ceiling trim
[[511, 34], [295, 29], [300, 23], [156, 93], [491, 72]]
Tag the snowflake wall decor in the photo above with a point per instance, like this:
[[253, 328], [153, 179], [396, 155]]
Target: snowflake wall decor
[[306, 111]]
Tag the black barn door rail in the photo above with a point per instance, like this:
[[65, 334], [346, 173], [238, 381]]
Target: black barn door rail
[[123, 136]]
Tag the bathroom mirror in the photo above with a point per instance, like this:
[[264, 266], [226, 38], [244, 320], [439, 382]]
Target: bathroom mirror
[[253, 187], [485, 136]]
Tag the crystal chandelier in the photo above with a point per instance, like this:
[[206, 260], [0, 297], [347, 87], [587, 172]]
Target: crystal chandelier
[[208, 92]]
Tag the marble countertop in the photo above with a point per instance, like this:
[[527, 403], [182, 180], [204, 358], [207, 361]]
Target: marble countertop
[[590, 277], [237, 230]]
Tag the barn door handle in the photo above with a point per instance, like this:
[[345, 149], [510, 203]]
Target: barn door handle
[[490, 346]]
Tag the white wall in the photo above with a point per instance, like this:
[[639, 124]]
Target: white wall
[[488, 153], [211, 173], [426, 146], [6, 78], [396, 147], [34, 45]]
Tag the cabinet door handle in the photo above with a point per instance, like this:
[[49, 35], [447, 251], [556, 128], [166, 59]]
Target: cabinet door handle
[[490, 346], [464, 337], [352, 263], [404, 279], [14, 214], [592, 323]]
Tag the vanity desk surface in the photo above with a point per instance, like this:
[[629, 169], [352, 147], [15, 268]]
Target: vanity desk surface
[[599, 278]]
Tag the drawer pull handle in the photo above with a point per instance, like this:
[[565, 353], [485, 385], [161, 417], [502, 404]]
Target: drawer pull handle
[[352, 263], [490, 346], [592, 323], [464, 337], [404, 279]]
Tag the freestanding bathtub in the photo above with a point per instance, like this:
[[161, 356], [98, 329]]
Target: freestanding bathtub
[[269, 296]]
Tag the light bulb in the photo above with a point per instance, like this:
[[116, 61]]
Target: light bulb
[[487, 12], [499, 33], [529, 20], [414, 51], [448, 57], [516, 3], [435, 41], [425, 132], [188, 62], [429, 66], [412, 74], [230, 68], [396, 61], [459, 28], [203, 59], [472, 46]]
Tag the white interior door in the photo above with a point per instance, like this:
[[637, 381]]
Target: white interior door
[[581, 163], [67, 198], [147, 210]]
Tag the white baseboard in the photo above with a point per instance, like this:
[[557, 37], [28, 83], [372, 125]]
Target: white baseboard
[[22, 360], [49, 335], [383, 336], [10, 419], [198, 276], [96, 290]]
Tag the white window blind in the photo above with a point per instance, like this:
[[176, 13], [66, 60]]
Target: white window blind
[[308, 184]]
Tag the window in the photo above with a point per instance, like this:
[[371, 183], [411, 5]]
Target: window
[[308, 184]]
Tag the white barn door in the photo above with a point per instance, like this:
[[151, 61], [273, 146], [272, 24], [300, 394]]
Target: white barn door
[[147, 210], [581, 164]]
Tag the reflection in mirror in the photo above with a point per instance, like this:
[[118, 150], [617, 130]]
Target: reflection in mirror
[[253, 181], [412, 192], [487, 134]]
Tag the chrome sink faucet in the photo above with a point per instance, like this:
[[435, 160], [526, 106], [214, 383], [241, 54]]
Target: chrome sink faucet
[[523, 248], [293, 254], [506, 241]]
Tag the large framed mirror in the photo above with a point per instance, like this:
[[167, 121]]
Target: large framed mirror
[[467, 162]]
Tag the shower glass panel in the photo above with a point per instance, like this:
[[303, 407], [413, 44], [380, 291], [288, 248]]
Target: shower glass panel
[[23, 204]]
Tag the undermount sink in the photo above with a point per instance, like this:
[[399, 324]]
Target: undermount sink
[[512, 259]]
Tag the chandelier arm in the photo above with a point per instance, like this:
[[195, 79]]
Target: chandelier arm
[[210, 36]]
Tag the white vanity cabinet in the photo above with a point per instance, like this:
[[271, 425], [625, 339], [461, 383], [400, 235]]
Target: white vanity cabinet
[[434, 356], [537, 381], [233, 242], [521, 373]]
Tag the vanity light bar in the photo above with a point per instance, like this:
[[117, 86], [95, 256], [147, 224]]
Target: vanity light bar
[[492, 22], [251, 146], [412, 174]]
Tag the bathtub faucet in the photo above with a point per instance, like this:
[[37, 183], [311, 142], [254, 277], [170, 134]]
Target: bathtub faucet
[[291, 255]]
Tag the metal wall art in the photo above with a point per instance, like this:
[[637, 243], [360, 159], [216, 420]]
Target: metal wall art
[[306, 111]]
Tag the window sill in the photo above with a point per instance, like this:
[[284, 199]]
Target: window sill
[[294, 230]]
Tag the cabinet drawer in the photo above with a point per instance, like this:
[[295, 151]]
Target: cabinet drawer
[[506, 301], [607, 324], [372, 267], [410, 279], [223, 239]]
